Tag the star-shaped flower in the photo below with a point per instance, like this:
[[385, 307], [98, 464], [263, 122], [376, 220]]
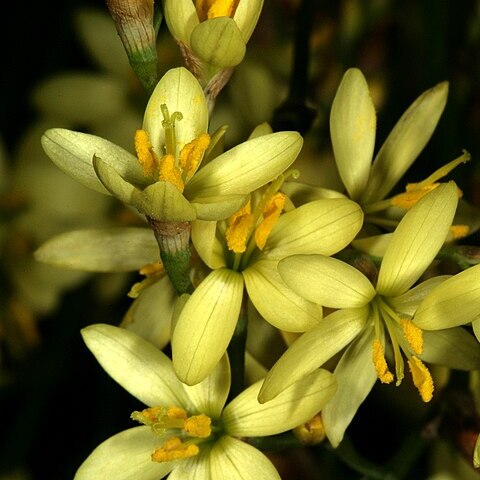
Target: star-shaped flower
[[188, 432], [376, 318], [164, 181]]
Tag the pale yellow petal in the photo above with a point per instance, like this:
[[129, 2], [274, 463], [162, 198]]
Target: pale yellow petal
[[323, 226], [352, 129], [417, 240], [326, 280], [236, 460], [139, 367], [245, 416], [313, 349], [355, 376], [277, 303], [452, 303], [125, 456], [101, 250], [405, 142], [453, 348], [206, 325]]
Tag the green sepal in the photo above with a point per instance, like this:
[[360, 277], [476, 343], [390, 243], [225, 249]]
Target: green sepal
[[219, 42]]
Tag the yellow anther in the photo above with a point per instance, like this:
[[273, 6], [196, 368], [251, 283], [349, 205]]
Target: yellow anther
[[198, 426], [215, 8], [170, 173], [176, 412], [311, 432], [459, 231], [271, 214], [412, 195], [422, 378], [413, 335], [148, 416], [192, 154], [151, 269], [381, 367], [238, 230], [146, 156], [174, 449]]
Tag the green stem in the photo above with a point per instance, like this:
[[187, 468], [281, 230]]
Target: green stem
[[236, 351], [173, 239], [293, 113], [275, 443]]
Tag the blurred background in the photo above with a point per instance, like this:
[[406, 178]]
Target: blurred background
[[57, 403]]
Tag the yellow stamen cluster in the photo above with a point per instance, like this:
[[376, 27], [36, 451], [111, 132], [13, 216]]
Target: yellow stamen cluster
[[239, 226], [174, 449], [152, 269], [145, 153], [413, 335], [271, 214], [198, 426], [381, 366], [311, 432], [169, 172], [192, 154], [207, 9], [422, 378]]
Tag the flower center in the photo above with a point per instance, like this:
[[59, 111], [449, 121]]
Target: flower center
[[249, 228], [207, 9], [406, 338], [169, 168], [183, 433]]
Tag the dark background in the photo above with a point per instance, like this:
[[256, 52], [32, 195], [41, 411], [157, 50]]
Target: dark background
[[62, 404]]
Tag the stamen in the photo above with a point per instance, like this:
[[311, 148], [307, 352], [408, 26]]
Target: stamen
[[381, 366], [169, 172], [174, 449], [411, 196], [271, 214], [413, 335], [444, 170], [152, 269], [198, 426], [422, 378], [146, 156], [176, 412], [238, 230], [192, 154], [415, 191], [311, 432], [148, 416], [459, 231]]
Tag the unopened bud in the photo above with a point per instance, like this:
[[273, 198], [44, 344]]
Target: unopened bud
[[135, 25]]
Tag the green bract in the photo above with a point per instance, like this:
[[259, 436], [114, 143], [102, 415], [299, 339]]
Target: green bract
[[147, 373], [214, 192]]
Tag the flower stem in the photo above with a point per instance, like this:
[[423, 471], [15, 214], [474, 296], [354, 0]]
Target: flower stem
[[236, 351], [173, 239]]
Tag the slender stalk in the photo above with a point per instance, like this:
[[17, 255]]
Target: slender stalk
[[236, 351], [293, 113], [173, 239]]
